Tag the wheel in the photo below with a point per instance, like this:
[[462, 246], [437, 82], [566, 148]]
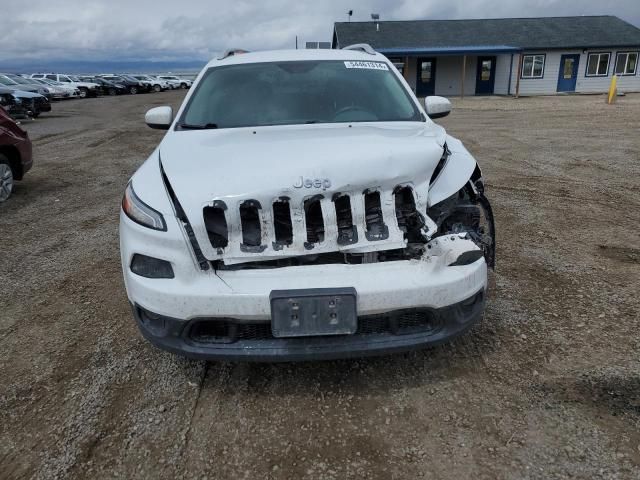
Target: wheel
[[35, 114], [113, 91], [183, 85], [133, 90], [6, 179], [157, 88], [84, 93]]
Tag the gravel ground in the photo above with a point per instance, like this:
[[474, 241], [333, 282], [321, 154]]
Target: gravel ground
[[547, 386]]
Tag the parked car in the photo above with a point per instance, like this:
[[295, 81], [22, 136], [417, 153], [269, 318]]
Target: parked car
[[303, 204], [19, 83], [156, 84], [133, 86], [106, 87], [87, 89], [57, 93], [71, 90], [144, 87], [15, 154], [13, 104], [176, 81], [34, 103]]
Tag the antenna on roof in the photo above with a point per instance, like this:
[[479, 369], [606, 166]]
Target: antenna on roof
[[375, 17]]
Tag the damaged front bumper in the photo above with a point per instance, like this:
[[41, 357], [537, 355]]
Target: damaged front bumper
[[435, 297], [391, 332]]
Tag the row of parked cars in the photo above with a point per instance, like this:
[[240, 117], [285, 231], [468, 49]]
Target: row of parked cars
[[27, 96], [30, 95]]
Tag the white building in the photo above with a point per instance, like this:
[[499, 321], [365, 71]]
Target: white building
[[507, 56]]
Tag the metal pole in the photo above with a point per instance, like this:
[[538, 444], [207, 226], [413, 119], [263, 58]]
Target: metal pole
[[519, 73], [296, 42], [464, 67]]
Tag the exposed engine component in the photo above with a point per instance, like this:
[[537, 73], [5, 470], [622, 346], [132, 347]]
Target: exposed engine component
[[410, 221], [468, 211], [216, 224], [282, 225], [347, 231], [376, 229], [315, 222], [250, 221]]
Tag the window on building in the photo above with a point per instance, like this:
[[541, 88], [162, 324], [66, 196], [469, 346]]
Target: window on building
[[533, 66], [398, 63], [425, 71], [626, 63], [598, 64]]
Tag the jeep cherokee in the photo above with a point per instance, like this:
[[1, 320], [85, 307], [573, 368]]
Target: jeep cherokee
[[304, 205]]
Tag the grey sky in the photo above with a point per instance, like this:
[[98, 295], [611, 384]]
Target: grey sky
[[163, 30]]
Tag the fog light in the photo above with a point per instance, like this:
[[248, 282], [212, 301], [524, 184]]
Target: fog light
[[150, 267], [153, 323]]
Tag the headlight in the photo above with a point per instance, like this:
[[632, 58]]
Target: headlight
[[140, 212]]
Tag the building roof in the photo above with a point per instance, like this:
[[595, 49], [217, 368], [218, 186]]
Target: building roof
[[520, 33]]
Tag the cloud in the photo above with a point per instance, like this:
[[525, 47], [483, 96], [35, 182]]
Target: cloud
[[161, 30]]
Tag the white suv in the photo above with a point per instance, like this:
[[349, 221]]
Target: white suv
[[86, 89], [302, 205], [176, 82], [156, 84]]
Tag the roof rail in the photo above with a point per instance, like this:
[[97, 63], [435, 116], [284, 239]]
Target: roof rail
[[363, 47], [231, 52]]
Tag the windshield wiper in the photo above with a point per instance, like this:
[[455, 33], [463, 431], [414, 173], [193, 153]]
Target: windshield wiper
[[206, 126]]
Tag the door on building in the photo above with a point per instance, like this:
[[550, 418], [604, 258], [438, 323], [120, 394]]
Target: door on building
[[426, 81], [486, 75], [568, 73]]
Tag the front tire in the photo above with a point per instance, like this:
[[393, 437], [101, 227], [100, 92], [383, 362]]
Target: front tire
[[133, 90], [6, 179], [84, 93], [157, 88], [113, 91], [183, 86]]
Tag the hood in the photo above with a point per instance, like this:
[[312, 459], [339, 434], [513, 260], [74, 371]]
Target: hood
[[296, 162], [25, 94], [203, 165]]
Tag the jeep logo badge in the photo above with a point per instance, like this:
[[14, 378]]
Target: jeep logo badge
[[322, 183]]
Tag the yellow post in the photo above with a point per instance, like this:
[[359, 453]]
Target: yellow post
[[613, 91]]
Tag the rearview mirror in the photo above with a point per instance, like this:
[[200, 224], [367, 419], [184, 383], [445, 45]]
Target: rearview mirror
[[159, 117], [437, 107]]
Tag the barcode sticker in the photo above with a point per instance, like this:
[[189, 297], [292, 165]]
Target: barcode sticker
[[367, 65]]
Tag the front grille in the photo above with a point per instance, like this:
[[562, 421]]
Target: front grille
[[318, 224], [403, 322]]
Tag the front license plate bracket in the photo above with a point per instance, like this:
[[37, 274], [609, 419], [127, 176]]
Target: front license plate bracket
[[313, 312]]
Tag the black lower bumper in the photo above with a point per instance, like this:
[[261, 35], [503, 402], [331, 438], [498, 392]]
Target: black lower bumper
[[228, 339]]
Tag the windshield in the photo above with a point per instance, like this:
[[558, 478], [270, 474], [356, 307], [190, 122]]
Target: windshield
[[19, 79], [7, 81], [285, 93]]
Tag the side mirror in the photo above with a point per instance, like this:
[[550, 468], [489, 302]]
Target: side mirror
[[159, 117], [437, 107]]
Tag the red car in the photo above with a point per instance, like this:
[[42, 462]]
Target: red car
[[15, 154]]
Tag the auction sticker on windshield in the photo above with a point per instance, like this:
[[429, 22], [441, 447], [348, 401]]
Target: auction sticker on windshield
[[367, 65]]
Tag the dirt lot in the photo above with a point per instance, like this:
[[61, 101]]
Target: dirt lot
[[547, 386]]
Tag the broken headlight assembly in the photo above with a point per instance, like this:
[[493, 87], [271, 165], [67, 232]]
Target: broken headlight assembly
[[468, 211], [140, 212]]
